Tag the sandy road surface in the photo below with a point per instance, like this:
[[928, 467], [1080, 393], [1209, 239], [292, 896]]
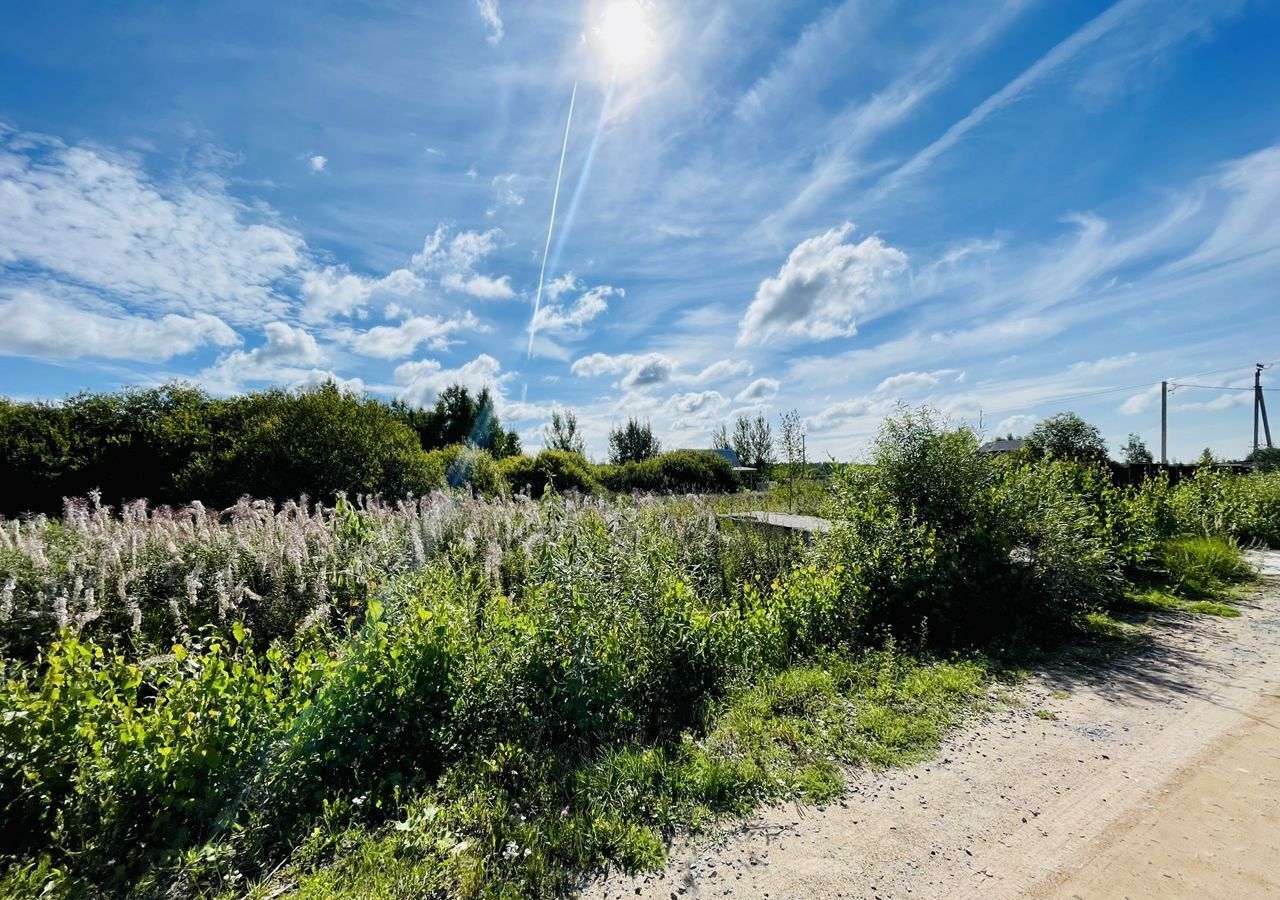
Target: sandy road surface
[[1159, 777]]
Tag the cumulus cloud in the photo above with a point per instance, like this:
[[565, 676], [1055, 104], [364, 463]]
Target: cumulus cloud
[[906, 382], [649, 371], [722, 369], [558, 318], [317, 162], [336, 291], [642, 370], [822, 287], [454, 258], [696, 404], [492, 16], [97, 220], [1019, 424], [290, 355], [398, 341], [333, 291], [286, 343], [34, 324], [846, 411], [760, 389], [422, 380]]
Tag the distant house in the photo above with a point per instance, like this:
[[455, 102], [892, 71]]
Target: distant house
[[1009, 445], [744, 472]]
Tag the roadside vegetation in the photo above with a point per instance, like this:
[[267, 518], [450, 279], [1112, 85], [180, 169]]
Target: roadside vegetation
[[495, 693]]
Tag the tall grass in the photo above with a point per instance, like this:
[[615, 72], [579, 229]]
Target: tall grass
[[485, 697]]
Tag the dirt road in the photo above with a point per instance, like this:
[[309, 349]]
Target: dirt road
[[1154, 776]]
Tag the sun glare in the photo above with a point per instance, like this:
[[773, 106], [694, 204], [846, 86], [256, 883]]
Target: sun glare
[[624, 34]]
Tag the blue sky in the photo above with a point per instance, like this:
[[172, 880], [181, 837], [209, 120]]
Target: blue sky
[[1003, 209]]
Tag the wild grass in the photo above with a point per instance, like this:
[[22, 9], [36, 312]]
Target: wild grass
[[462, 696]]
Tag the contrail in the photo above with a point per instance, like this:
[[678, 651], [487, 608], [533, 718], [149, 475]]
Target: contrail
[[572, 212], [555, 198]]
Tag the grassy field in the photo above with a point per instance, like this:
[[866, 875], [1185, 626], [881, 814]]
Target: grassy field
[[460, 696]]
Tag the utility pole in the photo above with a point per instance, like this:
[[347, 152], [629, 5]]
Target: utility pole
[[1164, 423], [1259, 409]]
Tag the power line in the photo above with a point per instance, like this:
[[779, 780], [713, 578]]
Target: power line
[[1214, 387]]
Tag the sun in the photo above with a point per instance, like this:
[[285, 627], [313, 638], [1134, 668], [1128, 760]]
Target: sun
[[624, 35]]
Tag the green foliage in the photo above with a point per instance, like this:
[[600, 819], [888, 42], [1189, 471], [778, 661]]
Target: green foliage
[[1067, 436], [562, 433], [1135, 451], [1202, 567], [550, 470], [464, 695], [752, 441], [459, 418], [680, 471], [632, 442]]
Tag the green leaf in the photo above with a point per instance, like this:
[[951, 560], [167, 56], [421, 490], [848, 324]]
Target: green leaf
[[237, 631]]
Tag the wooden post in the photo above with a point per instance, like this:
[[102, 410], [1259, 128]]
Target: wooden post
[[1164, 423]]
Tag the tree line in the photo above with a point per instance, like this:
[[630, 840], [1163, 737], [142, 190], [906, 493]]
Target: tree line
[[176, 444]]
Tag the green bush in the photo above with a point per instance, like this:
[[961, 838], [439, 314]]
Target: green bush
[[681, 471], [468, 467], [554, 469]]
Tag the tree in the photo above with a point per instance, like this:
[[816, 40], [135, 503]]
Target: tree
[[1067, 436], [720, 439], [762, 457], [1135, 452], [563, 434], [460, 418], [793, 450], [1265, 459], [1206, 458], [633, 442], [753, 442]]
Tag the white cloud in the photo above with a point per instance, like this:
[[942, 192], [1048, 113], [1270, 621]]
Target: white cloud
[[557, 318], [96, 219], [760, 389], [1096, 29], [492, 19], [398, 341], [1018, 425], [421, 381], [845, 411], [649, 371], [722, 369], [333, 291], [287, 344], [1141, 402], [562, 285], [505, 193], [317, 162], [824, 284], [907, 381], [290, 356], [34, 324], [480, 286], [454, 258], [696, 404]]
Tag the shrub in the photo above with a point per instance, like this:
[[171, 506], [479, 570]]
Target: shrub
[[556, 469], [681, 471], [469, 467]]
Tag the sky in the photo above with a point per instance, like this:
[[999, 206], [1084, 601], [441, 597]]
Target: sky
[[1001, 209]]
